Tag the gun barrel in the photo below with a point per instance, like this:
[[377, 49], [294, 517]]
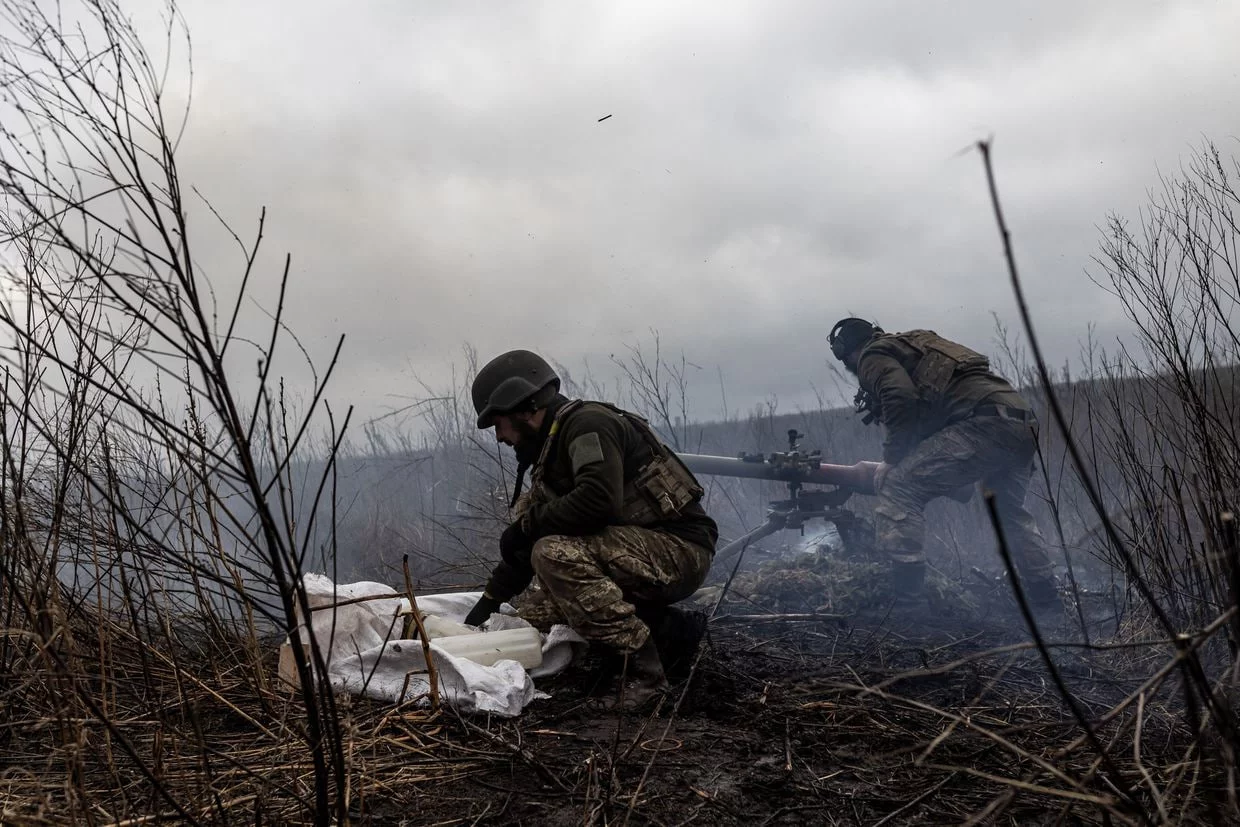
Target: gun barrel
[[858, 477]]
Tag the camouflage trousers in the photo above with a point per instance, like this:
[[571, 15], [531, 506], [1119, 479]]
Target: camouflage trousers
[[591, 583], [995, 451]]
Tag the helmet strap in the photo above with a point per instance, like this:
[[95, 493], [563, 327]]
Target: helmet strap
[[522, 467], [540, 400]]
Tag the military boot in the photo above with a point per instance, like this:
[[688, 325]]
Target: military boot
[[643, 680], [678, 637]]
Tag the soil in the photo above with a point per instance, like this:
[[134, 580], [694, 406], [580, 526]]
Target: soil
[[802, 722]]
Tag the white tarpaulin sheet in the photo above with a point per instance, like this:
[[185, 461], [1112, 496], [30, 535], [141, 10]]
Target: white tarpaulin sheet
[[366, 655]]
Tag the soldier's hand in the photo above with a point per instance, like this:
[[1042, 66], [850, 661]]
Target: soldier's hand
[[880, 474], [482, 611]]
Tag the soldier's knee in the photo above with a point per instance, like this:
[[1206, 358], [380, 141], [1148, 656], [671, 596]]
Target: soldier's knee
[[553, 551], [897, 527], [900, 491], [897, 512]]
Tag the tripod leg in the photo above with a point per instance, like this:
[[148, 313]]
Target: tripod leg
[[738, 545]]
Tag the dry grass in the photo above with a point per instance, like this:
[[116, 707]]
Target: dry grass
[[157, 510], [100, 727]]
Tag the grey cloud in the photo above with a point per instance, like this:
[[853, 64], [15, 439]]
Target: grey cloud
[[440, 174]]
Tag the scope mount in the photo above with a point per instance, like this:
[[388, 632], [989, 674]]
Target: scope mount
[[801, 506]]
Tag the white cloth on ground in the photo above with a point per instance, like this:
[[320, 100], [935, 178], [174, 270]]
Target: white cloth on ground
[[366, 655]]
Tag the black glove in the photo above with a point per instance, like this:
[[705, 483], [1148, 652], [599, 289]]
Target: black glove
[[482, 611], [515, 545]]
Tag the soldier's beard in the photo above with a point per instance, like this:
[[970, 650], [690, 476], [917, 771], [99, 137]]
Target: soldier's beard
[[529, 446]]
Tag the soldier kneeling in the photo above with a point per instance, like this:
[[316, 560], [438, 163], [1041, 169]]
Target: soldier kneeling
[[613, 520], [950, 421]]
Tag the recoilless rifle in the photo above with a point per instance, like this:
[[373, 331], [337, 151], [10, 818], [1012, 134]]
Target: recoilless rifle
[[798, 468]]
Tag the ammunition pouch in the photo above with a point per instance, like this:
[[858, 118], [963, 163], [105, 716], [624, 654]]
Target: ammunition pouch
[[940, 361], [932, 362], [661, 489]]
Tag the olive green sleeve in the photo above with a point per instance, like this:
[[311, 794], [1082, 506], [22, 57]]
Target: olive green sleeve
[[593, 440], [885, 378]]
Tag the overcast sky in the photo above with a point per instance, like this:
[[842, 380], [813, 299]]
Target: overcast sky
[[440, 174]]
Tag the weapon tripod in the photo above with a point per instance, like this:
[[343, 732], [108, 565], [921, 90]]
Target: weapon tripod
[[801, 506]]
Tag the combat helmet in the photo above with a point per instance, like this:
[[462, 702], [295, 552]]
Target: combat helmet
[[850, 334], [512, 381]]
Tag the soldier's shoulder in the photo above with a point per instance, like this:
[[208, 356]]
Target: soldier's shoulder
[[888, 343], [592, 415], [916, 333], [916, 339]]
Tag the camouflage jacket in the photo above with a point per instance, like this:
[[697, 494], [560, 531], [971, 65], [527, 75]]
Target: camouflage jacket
[[921, 382], [581, 485]]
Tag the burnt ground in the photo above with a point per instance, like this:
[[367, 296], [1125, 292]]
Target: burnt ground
[[881, 719], [810, 703]]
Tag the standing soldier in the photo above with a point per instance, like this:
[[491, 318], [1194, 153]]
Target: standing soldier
[[612, 524], [949, 422]]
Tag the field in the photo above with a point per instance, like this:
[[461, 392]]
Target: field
[[162, 493]]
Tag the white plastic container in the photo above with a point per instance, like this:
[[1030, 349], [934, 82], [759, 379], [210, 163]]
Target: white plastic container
[[437, 627], [522, 645]]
